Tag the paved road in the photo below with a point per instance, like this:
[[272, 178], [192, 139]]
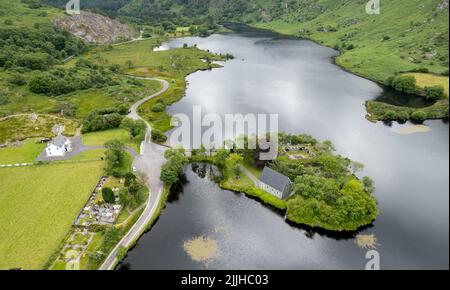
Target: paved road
[[149, 162]]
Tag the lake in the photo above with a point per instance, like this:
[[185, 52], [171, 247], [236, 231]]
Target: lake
[[298, 80]]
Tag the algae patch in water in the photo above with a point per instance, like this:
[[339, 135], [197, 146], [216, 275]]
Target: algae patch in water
[[201, 249], [367, 241], [411, 129]]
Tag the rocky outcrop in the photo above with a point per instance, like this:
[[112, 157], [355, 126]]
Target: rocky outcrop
[[95, 28], [443, 5]]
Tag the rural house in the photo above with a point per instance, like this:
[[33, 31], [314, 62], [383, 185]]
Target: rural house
[[59, 146], [275, 183]]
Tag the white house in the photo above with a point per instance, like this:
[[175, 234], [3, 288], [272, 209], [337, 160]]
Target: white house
[[59, 146], [275, 183]]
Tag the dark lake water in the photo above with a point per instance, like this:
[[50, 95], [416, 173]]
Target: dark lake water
[[298, 80]]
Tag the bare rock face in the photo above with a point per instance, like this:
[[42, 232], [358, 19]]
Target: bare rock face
[[95, 28], [443, 5]]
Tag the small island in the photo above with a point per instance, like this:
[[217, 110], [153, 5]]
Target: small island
[[307, 181]]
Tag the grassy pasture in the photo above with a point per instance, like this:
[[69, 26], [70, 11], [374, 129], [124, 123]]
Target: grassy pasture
[[38, 205]]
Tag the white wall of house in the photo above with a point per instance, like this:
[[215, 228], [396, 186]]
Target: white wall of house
[[270, 189], [54, 151]]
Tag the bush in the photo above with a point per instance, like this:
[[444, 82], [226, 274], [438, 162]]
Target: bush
[[158, 136], [419, 116], [435, 92], [390, 115], [98, 122], [3, 100], [402, 116], [17, 79], [405, 84], [108, 195], [158, 108]]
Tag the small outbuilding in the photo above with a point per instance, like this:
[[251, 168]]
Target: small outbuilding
[[275, 183]]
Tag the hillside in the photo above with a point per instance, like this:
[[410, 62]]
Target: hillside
[[95, 28], [407, 35]]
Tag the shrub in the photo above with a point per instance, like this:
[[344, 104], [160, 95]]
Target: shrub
[[3, 100], [435, 92], [17, 79], [158, 108], [390, 115], [418, 116], [402, 116], [108, 195], [158, 136], [405, 84]]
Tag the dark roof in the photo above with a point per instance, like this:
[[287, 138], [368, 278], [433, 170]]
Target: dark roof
[[59, 141], [275, 179]]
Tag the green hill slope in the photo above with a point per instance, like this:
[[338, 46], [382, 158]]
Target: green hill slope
[[406, 35]]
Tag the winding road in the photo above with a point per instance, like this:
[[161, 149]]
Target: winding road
[[149, 162]]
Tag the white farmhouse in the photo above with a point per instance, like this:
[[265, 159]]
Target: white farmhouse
[[59, 146], [275, 183]]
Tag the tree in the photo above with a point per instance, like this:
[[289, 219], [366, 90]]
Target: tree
[[124, 197], [290, 168], [129, 64], [3, 99], [173, 169], [108, 195], [114, 156], [390, 116], [418, 116], [169, 174], [158, 136], [129, 179], [435, 92], [233, 162], [17, 79], [135, 128], [158, 107], [237, 170], [404, 83], [221, 156], [356, 166], [368, 183]]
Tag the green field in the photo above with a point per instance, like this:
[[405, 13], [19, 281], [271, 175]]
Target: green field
[[38, 205], [101, 137], [25, 153], [22, 16], [429, 80]]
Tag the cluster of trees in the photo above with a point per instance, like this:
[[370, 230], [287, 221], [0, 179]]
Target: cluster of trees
[[134, 192], [61, 81], [158, 136], [322, 202], [115, 158], [36, 48], [292, 139], [103, 120], [136, 128], [408, 84], [110, 239], [172, 171], [327, 192]]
